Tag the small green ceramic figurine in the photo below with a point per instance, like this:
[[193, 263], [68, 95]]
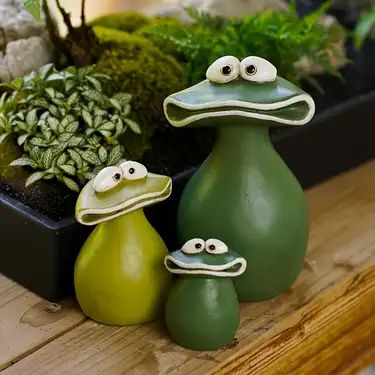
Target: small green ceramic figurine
[[202, 310], [119, 274], [244, 193]]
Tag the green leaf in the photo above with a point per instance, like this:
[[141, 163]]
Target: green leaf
[[72, 127], [77, 158], [72, 99], [21, 162], [87, 117], [61, 160], [33, 7], [123, 98], [36, 141], [91, 157], [65, 137], [34, 177], [70, 184], [115, 103], [31, 117], [47, 158], [363, 28], [103, 154], [115, 155], [69, 85], [75, 141], [107, 126], [133, 126], [93, 95], [69, 169], [45, 70], [51, 92], [53, 123], [54, 110], [22, 139], [95, 82], [2, 137]]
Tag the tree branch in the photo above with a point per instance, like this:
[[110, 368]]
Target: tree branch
[[53, 32], [65, 15], [83, 16]]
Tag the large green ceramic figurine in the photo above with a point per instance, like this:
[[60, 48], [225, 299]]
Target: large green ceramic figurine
[[202, 310], [119, 274], [244, 193]]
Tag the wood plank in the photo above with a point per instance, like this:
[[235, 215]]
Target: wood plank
[[27, 322], [323, 324]]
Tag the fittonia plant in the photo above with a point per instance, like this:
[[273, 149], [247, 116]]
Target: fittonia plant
[[244, 193], [68, 128]]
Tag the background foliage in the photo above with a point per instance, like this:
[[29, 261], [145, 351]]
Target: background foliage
[[284, 38]]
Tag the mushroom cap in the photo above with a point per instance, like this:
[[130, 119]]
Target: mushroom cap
[[280, 102], [93, 207]]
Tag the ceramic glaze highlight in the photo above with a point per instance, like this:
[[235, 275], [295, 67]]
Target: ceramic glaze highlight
[[119, 275], [244, 193], [202, 309]]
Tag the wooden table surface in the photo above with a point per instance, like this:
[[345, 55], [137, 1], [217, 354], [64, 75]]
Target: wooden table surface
[[325, 324]]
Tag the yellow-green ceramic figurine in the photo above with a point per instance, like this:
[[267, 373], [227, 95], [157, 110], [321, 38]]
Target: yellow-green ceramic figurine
[[202, 309], [244, 193], [119, 274]]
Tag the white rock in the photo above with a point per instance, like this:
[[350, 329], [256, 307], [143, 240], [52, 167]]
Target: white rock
[[27, 43], [25, 55]]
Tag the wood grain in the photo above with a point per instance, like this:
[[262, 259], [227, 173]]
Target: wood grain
[[27, 322], [325, 324]]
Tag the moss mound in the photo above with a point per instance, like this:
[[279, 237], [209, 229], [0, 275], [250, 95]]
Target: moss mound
[[127, 21], [9, 151], [138, 67]]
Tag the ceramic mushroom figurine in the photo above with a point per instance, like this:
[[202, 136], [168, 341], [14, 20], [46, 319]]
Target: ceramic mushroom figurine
[[119, 274], [244, 193], [202, 309]]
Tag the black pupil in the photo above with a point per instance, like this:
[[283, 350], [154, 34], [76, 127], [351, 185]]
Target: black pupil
[[131, 170], [251, 69], [117, 176], [226, 70], [198, 245], [212, 247]]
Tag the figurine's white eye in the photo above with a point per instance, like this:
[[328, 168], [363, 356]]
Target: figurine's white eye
[[193, 246], [107, 179], [256, 69], [133, 171], [215, 246], [224, 70]]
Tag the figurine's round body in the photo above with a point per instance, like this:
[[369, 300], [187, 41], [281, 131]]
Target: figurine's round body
[[120, 278], [202, 313], [119, 275], [202, 309], [244, 193]]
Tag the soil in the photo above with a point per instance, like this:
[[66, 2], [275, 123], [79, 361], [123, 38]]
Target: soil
[[175, 150]]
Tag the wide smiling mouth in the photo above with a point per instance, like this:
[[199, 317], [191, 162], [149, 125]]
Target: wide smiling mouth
[[95, 215], [233, 268], [297, 110]]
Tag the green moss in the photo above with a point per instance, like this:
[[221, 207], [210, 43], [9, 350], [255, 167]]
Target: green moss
[[138, 67], [9, 151], [129, 22]]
